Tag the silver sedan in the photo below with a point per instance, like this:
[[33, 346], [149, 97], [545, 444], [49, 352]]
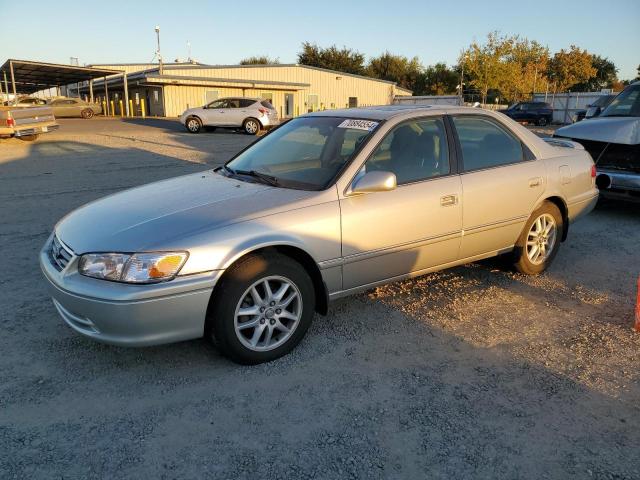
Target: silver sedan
[[328, 204]]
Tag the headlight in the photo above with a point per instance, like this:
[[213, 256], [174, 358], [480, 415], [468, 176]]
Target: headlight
[[136, 268]]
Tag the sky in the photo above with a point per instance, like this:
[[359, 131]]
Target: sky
[[226, 32]]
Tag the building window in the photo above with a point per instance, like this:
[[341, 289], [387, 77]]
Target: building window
[[312, 102], [210, 96], [353, 102], [156, 96]]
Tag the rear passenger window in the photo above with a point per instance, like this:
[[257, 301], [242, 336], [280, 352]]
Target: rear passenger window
[[485, 145], [246, 102]]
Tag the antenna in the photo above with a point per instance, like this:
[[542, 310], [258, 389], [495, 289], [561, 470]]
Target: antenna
[[189, 59]]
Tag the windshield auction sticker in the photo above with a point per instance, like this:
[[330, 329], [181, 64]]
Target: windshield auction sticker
[[367, 125]]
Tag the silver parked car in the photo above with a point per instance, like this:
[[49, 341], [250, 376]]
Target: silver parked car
[[250, 114], [329, 204]]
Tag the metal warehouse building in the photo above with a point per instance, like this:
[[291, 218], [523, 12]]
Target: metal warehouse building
[[292, 89]]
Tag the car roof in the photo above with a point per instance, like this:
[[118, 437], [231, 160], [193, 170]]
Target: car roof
[[385, 112], [242, 98]]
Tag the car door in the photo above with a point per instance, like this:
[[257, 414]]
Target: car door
[[233, 113], [63, 108], [413, 227], [214, 113], [501, 183]]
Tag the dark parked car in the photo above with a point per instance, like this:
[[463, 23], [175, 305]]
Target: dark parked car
[[539, 113], [594, 109]]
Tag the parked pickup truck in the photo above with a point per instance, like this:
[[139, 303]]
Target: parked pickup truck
[[26, 123]]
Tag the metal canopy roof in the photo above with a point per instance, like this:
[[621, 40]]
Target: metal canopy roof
[[31, 76]]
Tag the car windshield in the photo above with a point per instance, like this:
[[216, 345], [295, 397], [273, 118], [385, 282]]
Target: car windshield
[[626, 104], [305, 153]]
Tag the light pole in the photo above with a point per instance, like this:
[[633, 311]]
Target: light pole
[[158, 49]]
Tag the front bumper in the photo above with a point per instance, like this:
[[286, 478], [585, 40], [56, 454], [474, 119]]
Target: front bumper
[[129, 315]]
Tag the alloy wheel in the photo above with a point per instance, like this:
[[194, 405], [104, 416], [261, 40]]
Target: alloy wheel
[[268, 313], [541, 239], [193, 125], [251, 127]]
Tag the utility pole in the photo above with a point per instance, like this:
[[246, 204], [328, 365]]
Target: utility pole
[[158, 49]]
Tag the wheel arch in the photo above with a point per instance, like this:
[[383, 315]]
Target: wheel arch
[[564, 211], [252, 118], [193, 115], [297, 254]]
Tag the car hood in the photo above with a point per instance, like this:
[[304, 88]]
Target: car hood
[[154, 215], [625, 130]]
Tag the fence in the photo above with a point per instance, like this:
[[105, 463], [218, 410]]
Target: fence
[[565, 105]]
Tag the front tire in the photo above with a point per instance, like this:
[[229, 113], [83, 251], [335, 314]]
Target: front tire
[[261, 309], [540, 240], [251, 126], [193, 124], [542, 121]]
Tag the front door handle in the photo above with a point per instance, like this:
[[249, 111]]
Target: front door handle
[[535, 182], [448, 200]]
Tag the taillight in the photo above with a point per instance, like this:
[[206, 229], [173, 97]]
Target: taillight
[[593, 171], [11, 122], [263, 111]]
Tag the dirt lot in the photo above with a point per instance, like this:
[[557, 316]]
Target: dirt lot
[[474, 372]]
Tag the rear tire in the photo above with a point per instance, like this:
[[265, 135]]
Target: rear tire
[[540, 240], [86, 113], [193, 124], [251, 126], [251, 323], [542, 121]]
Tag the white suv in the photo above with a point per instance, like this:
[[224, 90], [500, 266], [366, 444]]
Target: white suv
[[250, 114]]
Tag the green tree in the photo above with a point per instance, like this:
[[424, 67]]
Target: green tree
[[259, 60], [438, 79], [343, 60], [397, 68], [526, 69], [606, 75], [571, 67], [487, 66]]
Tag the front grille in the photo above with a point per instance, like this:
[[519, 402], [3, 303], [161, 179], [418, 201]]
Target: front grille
[[59, 254]]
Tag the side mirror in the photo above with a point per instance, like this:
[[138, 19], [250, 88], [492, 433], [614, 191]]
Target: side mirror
[[376, 181]]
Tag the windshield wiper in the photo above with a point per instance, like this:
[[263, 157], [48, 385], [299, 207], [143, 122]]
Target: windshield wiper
[[268, 179]]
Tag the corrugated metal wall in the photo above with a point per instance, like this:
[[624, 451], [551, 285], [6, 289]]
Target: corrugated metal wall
[[333, 89]]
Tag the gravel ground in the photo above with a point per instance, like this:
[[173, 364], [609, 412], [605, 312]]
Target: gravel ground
[[474, 372]]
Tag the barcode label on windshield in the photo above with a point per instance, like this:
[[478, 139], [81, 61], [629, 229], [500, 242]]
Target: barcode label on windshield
[[367, 125]]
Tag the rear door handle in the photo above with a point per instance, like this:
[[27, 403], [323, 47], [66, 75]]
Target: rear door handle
[[535, 182], [448, 200]]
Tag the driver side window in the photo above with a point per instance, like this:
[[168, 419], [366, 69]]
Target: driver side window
[[218, 104], [413, 151]]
